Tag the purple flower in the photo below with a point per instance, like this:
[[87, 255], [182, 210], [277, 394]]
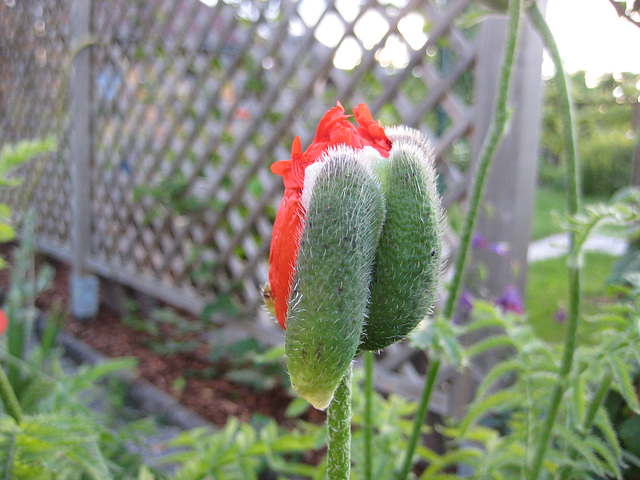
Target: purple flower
[[500, 248], [465, 303], [510, 300], [478, 241], [560, 316], [465, 306]]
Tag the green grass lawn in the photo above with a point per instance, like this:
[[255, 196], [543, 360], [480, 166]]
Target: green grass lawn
[[547, 292]]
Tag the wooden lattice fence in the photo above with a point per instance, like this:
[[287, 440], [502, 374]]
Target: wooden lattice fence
[[180, 107], [190, 104]]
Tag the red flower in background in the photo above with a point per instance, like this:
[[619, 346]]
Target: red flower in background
[[334, 129], [4, 322]]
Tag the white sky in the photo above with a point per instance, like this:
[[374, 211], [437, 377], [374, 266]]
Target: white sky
[[591, 37], [589, 34]]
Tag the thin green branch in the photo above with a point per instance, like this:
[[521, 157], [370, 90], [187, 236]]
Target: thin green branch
[[8, 397], [11, 451], [339, 431], [432, 374], [574, 258], [495, 132], [491, 142]]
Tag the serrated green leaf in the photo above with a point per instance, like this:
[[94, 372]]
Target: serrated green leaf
[[622, 382], [500, 369], [483, 323], [609, 457], [604, 425], [497, 341], [297, 407], [7, 233], [583, 448], [462, 455], [499, 401]]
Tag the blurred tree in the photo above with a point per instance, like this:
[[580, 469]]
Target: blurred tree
[[608, 128], [628, 10]]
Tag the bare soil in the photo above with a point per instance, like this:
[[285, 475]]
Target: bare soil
[[209, 395]]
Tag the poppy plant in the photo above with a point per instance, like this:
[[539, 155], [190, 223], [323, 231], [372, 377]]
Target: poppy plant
[[356, 246]]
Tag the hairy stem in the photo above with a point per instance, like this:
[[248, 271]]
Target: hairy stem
[[574, 258], [368, 420], [339, 431], [495, 132]]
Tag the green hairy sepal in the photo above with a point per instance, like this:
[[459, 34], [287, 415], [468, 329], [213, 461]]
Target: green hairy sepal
[[408, 260], [369, 262], [329, 298]]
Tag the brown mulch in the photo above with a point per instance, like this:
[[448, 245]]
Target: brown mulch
[[209, 395]]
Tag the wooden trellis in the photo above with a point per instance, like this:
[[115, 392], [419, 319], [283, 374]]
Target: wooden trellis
[[189, 104]]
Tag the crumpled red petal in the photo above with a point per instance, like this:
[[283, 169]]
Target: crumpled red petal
[[333, 129]]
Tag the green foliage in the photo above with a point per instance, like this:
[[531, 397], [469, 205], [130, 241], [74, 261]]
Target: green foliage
[[25, 285], [50, 447], [246, 452], [546, 296], [167, 331], [11, 157], [502, 423], [606, 162], [604, 114], [251, 364]]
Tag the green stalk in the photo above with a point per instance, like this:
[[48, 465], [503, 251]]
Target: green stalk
[[495, 132], [339, 431], [8, 397], [574, 259], [589, 417], [368, 420], [596, 402], [496, 129], [432, 374]]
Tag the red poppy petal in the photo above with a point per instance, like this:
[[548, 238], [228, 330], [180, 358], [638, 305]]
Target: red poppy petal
[[280, 166], [285, 243], [4, 322]]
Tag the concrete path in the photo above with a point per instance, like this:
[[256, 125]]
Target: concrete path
[[558, 245]]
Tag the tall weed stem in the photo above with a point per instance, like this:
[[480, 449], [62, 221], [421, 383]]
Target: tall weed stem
[[495, 132], [574, 258]]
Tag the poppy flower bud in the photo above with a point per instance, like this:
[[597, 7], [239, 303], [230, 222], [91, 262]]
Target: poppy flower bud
[[356, 249], [328, 305], [409, 254]]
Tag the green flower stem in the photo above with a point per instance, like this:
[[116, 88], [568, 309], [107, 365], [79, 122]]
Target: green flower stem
[[574, 259], [589, 418], [496, 129], [8, 397], [596, 402], [339, 431], [432, 374], [368, 420]]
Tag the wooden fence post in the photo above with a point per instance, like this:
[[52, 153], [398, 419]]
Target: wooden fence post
[[84, 287], [505, 217]]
